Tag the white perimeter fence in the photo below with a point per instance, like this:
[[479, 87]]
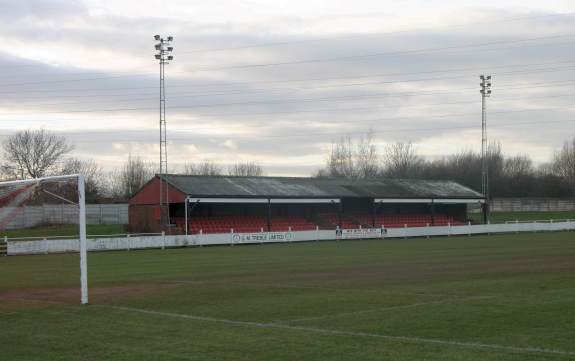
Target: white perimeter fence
[[527, 205], [532, 205], [163, 241]]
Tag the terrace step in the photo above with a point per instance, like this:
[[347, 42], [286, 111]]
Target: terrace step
[[3, 249]]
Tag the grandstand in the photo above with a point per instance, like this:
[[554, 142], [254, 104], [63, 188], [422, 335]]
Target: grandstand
[[223, 204]]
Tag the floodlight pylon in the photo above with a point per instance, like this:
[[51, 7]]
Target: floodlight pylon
[[485, 93], [163, 49]]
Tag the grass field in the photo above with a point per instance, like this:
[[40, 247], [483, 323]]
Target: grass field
[[506, 297]]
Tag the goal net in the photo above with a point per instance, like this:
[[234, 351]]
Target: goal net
[[45, 208]]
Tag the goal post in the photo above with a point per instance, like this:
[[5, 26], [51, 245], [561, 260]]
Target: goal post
[[14, 195], [83, 241]]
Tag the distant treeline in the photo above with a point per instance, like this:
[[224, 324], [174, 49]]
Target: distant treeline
[[38, 153], [515, 176]]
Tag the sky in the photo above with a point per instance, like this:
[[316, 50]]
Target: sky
[[277, 82]]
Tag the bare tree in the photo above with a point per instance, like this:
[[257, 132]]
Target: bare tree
[[131, 177], [366, 159], [93, 176], [518, 166], [340, 159], [246, 169], [564, 162], [465, 168], [33, 153], [321, 173], [205, 167], [350, 159], [402, 161], [8, 173], [518, 177], [495, 161]]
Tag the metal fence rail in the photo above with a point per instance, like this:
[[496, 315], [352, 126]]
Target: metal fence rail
[[93, 236], [532, 205]]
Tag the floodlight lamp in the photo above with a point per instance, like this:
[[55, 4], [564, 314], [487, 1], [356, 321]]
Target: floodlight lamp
[[488, 77], [481, 77], [157, 56], [170, 38], [170, 48], [156, 37], [158, 46], [170, 57], [488, 84]]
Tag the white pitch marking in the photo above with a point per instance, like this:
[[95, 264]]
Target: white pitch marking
[[342, 314], [463, 344], [389, 308], [7, 313]]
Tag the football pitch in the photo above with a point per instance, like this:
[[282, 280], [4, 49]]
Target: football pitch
[[503, 297]]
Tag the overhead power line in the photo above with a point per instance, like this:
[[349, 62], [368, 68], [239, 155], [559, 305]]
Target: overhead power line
[[341, 110], [337, 37], [363, 36], [451, 70], [317, 60], [326, 134], [279, 91], [292, 100], [267, 91], [383, 54]]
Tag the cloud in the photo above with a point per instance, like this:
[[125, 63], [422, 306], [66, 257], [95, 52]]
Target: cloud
[[89, 78], [230, 144], [40, 9]]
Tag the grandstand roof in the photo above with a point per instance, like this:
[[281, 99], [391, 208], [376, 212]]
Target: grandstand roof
[[299, 187]]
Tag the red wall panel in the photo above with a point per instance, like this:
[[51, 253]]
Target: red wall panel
[[143, 220], [150, 194]]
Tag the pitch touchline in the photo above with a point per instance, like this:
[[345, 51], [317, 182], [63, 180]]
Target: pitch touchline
[[463, 344]]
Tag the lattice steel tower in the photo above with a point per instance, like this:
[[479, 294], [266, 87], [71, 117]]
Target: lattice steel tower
[[485, 93], [163, 49]]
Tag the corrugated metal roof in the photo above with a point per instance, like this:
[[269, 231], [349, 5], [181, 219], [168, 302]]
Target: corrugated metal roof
[[292, 187]]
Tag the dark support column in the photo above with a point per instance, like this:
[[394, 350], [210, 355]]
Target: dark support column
[[339, 211], [485, 209], [190, 211], [373, 205], [432, 213], [269, 215]]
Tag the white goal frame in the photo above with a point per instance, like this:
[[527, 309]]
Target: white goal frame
[[81, 222]]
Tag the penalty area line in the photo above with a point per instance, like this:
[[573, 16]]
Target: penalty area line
[[410, 339]]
